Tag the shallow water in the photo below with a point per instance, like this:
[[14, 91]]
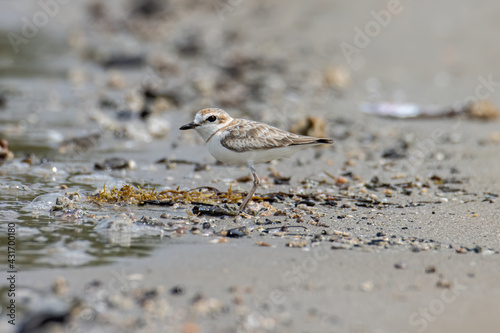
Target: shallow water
[[80, 238]]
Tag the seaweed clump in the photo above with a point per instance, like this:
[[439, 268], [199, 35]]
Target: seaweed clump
[[131, 195]]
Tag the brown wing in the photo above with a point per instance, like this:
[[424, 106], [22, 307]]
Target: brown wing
[[245, 135]]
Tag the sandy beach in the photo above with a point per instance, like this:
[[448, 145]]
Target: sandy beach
[[393, 228]]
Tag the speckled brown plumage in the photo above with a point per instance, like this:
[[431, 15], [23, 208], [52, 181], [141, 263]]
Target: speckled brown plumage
[[245, 135]]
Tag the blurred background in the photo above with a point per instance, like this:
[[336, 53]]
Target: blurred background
[[68, 68], [83, 81]]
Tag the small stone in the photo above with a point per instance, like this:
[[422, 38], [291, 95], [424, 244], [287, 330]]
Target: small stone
[[487, 253], [337, 77], [477, 249], [341, 180], [235, 232], [219, 240], [178, 290], [430, 269], [401, 265], [484, 110], [341, 246], [349, 163], [297, 243], [116, 80], [150, 221], [367, 286], [180, 230], [439, 156], [63, 204], [5, 153], [115, 163], [238, 300], [60, 287], [445, 284], [312, 126]]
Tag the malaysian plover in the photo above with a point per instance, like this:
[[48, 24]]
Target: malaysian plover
[[246, 142]]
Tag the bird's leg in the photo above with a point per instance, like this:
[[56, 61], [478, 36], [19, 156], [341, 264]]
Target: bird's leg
[[256, 182]]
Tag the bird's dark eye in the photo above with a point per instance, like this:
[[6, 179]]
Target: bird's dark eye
[[211, 119]]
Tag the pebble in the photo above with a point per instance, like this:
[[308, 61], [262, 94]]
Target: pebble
[[235, 232], [367, 286], [60, 286], [401, 265], [337, 77], [178, 290], [483, 110], [445, 284], [340, 246], [219, 240], [63, 204], [430, 269], [297, 243]]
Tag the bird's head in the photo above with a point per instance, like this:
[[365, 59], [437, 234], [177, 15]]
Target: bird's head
[[208, 121]]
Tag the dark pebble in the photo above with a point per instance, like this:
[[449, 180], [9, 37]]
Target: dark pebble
[[149, 8], [430, 269], [150, 221], [305, 202], [114, 163], [213, 211], [3, 102], [282, 181], [124, 115], [124, 61], [236, 232], [178, 290], [331, 203], [477, 249], [394, 153], [157, 203], [401, 265], [38, 322]]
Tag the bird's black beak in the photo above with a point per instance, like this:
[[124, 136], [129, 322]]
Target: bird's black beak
[[191, 125]]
